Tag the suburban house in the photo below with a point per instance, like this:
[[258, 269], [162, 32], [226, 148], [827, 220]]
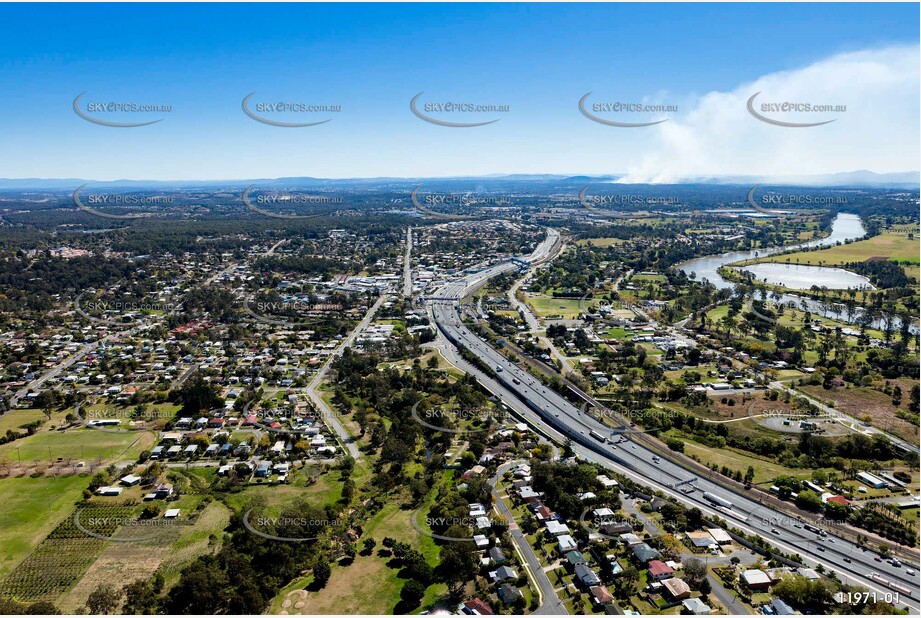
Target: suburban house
[[601, 595], [606, 482], [575, 557], [528, 495], [565, 543], [586, 576], [629, 539], [677, 588], [503, 573], [644, 553], [616, 527], [160, 492], [475, 607], [756, 579], [658, 570], [509, 594], [780, 608], [701, 540], [556, 528], [696, 607]]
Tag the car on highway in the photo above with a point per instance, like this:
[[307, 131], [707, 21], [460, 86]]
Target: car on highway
[[516, 380], [848, 560], [498, 369]]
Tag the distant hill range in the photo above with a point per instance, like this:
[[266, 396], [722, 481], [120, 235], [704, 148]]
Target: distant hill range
[[859, 178]]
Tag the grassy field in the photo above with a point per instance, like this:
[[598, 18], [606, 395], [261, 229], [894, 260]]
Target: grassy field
[[889, 245], [64, 557], [368, 585], [77, 444], [790, 317], [718, 313], [14, 419], [32, 507], [195, 540], [794, 317], [327, 490], [765, 470], [547, 307], [702, 369], [600, 242], [155, 416], [644, 278], [619, 333]]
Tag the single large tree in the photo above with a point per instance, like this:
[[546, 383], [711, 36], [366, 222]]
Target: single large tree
[[104, 599]]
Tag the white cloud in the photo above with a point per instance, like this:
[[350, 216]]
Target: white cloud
[[879, 131]]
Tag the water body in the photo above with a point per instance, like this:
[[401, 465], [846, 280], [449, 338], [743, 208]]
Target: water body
[[803, 277], [844, 227]]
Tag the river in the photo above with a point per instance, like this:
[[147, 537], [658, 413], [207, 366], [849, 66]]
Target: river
[[844, 227]]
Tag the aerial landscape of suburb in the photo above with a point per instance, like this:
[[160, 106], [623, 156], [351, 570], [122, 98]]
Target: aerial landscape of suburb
[[460, 309]]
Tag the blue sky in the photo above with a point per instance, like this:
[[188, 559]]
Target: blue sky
[[371, 59]]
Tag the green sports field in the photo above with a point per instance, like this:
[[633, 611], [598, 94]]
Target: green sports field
[[76, 444]]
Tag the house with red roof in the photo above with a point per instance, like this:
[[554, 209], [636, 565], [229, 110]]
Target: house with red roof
[[475, 607], [658, 570], [839, 500]]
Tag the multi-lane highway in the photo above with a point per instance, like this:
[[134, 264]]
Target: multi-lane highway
[[556, 416]]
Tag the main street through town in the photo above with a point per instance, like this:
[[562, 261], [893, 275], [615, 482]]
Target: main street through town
[[553, 415]]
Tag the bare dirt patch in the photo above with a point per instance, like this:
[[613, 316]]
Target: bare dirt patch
[[747, 405], [771, 415], [119, 564], [864, 403]]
